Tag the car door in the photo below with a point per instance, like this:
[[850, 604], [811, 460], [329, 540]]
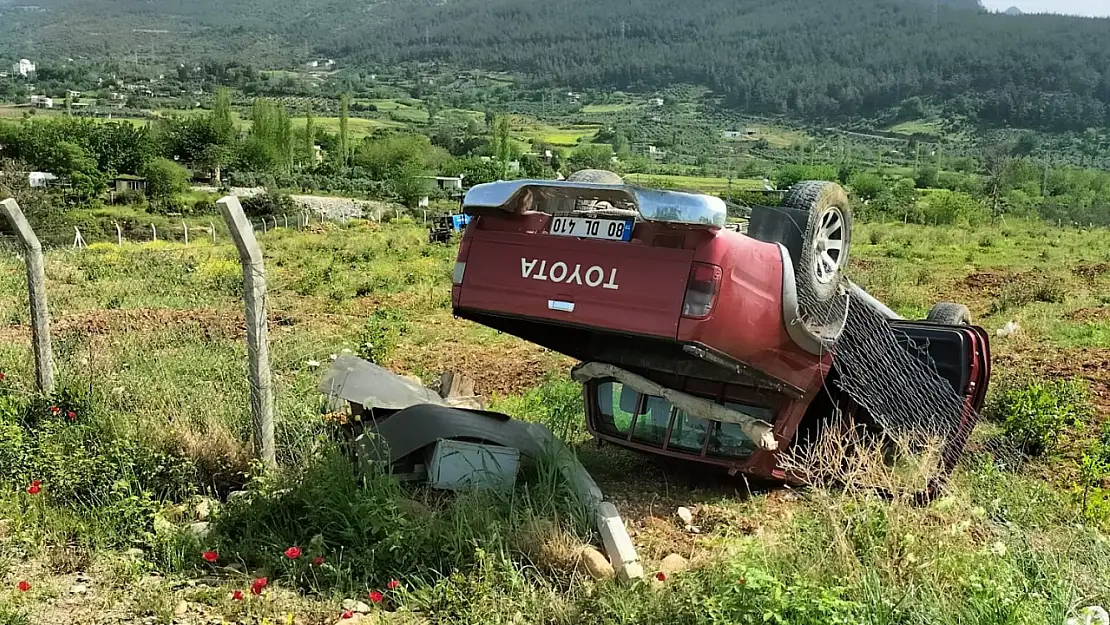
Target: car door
[[961, 355]]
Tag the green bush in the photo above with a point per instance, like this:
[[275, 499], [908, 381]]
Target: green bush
[[1034, 415], [267, 204], [383, 331], [789, 175]]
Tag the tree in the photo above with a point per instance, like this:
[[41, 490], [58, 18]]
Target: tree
[[223, 125], [309, 146], [927, 177], [473, 170], [344, 145], [532, 166], [502, 144], [269, 146], [591, 156], [164, 178]]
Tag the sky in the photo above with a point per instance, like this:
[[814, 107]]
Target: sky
[[1093, 8]]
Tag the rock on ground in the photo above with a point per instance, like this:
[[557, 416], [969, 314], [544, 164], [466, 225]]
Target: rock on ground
[[596, 564], [673, 564]]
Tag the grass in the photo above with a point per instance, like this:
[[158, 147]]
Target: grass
[[560, 136], [600, 109], [918, 127], [149, 346], [695, 183]]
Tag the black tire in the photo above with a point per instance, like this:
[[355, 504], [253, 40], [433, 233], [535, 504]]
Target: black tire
[[950, 313], [823, 210], [597, 176]]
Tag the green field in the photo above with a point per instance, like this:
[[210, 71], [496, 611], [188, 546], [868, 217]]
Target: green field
[[560, 136], [695, 183], [918, 127], [606, 108]]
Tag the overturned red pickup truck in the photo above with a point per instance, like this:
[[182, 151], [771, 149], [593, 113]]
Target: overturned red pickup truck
[[694, 339]]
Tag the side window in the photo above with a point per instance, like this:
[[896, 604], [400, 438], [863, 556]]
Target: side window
[[616, 407]]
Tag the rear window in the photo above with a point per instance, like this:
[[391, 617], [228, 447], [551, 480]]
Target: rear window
[[622, 409]]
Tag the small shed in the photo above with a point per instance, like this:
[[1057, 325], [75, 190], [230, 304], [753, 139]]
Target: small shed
[[125, 183]]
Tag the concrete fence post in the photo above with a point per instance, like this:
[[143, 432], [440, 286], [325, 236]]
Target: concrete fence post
[[286, 218], [36, 289], [258, 342], [186, 227], [119, 235], [153, 232]]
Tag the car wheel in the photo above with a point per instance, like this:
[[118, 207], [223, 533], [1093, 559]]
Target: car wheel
[[596, 176], [950, 313], [820, 263]]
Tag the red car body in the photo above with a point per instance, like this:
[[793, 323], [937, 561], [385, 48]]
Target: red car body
[[694, 307]]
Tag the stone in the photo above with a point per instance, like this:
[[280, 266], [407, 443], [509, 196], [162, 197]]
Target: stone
[[673, 565], [686, 515], [237, 494], [181, 608], [356, 606], [134, 552], [596, 564], [200, 529], [78, 589]]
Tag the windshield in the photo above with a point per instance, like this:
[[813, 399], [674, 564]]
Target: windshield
[[625, 412]]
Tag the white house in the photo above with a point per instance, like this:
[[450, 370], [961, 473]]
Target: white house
[[656, 101], [23, 68], [732, 134], [449, 183], [40, 179], [42, 101]]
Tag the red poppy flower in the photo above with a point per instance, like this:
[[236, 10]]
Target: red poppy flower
[[55, 410], [293, 553], [24, 586], [742, 581], [210, 556], [237, 595], [72, 416], [258, 585], [2, 376], [661, 576], [318, 561], [376, 596], [347, 614], [393, 584], [34, 488]]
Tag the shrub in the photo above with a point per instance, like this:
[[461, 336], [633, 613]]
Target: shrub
[[268, 204], [1034, 415], [169, 205], [383, 331], [130, 198], [792, 174], [866, 185], [164, 178]]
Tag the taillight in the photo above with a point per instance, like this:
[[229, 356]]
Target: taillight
[[701, 290], [460, 262]]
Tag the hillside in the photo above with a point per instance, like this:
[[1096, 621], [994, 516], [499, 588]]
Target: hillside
[[809, 59], [801, 58]]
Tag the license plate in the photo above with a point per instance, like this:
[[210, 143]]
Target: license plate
[[607, 229]]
